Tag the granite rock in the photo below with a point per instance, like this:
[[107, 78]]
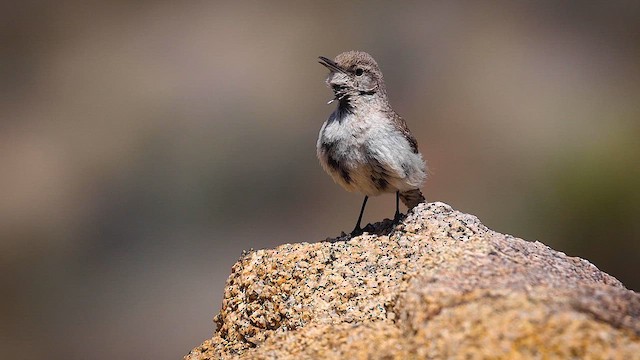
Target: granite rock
[[438, 285]]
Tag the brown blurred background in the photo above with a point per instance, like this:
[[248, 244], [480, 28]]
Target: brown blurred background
[[145, 144]]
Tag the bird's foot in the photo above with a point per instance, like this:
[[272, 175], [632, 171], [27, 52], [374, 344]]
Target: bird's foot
[[359, 231], [397, 219], [356, 232]]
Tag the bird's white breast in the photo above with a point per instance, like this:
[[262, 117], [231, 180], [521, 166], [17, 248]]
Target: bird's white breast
[[369, 149]]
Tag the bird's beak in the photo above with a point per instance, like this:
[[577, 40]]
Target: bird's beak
[[331, 65]]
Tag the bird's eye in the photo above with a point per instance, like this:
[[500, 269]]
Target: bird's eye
[[359, 72]]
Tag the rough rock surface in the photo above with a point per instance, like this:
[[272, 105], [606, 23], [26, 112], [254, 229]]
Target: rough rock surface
[[439, 285]]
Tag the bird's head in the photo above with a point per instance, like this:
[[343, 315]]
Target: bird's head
[[353, 73]]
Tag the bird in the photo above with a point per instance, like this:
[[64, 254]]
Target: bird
[[364, 145]]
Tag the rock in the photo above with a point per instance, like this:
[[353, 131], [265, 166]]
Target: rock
[[439, 285]]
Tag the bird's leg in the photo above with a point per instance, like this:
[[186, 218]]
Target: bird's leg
[[357, 230], [397, 216]]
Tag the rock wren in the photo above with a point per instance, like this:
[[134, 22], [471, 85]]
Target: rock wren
[[364, 145]]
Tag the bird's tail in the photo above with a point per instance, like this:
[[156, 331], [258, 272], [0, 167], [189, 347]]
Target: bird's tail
[[411, 198]]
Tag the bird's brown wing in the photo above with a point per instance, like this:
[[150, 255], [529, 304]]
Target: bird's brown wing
[[402, 125]]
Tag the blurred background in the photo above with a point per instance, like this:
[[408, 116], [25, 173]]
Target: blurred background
[[145, 144]]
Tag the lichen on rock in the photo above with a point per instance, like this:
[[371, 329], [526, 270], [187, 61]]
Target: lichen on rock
[[439, 285]]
